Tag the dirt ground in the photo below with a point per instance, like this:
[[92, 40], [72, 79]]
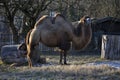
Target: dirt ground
[[77, 70]]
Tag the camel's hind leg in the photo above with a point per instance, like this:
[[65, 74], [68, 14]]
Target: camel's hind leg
[[28, 57], [29, 61]]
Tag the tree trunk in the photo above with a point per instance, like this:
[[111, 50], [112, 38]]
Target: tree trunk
[[15, 33], [110, 47]]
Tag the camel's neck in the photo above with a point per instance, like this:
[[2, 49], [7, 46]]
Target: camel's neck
[[83, 36]]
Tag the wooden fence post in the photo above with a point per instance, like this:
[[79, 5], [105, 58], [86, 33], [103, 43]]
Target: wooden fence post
[[110, 47]]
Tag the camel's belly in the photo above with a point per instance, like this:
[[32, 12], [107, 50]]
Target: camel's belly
[[50, 40]]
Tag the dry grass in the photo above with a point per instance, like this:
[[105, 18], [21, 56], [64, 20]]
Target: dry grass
[[53, 71]]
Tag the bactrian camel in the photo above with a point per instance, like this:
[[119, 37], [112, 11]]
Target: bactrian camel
[[59, 32]]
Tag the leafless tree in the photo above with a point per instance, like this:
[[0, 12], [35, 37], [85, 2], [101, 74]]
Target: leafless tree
[[10, 10], [31, 9]]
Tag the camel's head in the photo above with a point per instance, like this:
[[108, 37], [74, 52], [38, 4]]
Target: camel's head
[[83, 23], [86, 20], [22, 46]]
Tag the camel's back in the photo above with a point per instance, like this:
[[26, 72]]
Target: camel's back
[[64, 25], [60, 23], [59, 27], [43, 21]]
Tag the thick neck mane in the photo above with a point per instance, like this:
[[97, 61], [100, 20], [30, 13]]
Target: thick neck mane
[[41, 20]]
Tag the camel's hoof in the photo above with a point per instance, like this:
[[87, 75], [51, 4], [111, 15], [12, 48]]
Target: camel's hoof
[[30, 66], [60, 63], [66, 64]]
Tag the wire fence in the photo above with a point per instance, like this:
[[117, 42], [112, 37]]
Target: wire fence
[[6, 39]]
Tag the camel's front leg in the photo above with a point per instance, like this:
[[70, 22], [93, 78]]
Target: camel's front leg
[[65, 54]]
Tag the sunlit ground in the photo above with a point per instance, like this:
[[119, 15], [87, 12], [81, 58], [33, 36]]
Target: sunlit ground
[[77, 70]]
